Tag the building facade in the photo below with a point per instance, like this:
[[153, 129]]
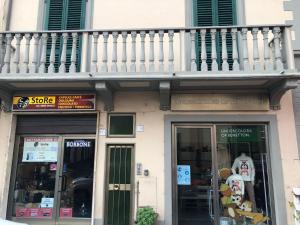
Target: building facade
[[183, 106]]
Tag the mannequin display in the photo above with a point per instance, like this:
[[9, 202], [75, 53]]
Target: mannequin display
[[236, 184], [245, 167]]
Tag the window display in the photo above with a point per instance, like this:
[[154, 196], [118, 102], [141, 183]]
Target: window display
[[243, 177], [35, 178], [47, 179]]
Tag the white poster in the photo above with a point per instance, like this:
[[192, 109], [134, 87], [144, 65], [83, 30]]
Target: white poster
[[40, 149]]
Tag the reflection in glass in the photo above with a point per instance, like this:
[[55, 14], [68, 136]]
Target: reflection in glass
[[194, 176], [77, 178]]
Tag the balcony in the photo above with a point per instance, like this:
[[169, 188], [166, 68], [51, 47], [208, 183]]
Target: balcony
[[232, 58]]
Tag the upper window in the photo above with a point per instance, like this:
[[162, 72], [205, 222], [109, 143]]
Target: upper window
[[121, 125], [65, 15], [214, 13]]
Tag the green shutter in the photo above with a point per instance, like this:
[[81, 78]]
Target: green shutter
[[65, 15], [214, 13]]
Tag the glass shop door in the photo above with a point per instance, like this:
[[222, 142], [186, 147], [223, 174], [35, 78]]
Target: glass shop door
[[196, 185], [75, 194]]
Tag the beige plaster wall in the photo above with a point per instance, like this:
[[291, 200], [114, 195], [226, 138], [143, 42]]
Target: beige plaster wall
[[7, 137], [149, 147]]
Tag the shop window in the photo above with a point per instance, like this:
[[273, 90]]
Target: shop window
[[35, 177], [53, 178], [121, 125], [243, 173]]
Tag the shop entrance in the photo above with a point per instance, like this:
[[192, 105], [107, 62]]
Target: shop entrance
[[221, 175], [119, 185], [53, 180]]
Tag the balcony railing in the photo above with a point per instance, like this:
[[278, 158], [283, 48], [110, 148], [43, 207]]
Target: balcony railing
[[230, 49]]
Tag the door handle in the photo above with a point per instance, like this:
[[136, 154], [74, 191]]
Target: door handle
[[116, 187]]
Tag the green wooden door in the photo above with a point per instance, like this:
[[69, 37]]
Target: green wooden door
[[65, 15], [119, 187], [214, 13]]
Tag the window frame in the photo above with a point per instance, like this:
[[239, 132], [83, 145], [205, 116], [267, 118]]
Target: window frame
[[121, 135]]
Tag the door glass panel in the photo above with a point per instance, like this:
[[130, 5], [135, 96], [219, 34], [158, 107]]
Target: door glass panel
[[194, 176], [243, 174], [77, 178], [35, 177], [119, 185]]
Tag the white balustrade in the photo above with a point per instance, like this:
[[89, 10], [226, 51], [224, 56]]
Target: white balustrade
[[193, 51], [171, 50], [245, 49], [204, 66], [114, 66], [63, 58], [225, 65], [256, 61], [203, 43], [151, 52], [6, 67], [51, 67], [42, 67], [73, 53], [24, 68], [133, 52], [124, 52], [142, 56], [268, 65], [236, 65], [15, 66], [104, 67]]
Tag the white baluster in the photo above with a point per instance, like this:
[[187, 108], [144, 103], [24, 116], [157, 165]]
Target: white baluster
[[124, 52], [15, 66], [24, 68], [193, 51], [114, 67], [171, 50], [42, 68], [151, 52], [95, 52], [51, 67], [104, 67], [268, 64], [1, 51], [34, 63], [142, 56], [133, 52], [278, 59], [256, 64], [245, 49], [204, 66], [161, 51], [214, 65], [62, 67], [225, 65], [236, 65], [72, 67], [6, 67]]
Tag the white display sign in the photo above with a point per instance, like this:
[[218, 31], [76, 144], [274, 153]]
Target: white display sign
[[47, 202], [102, 132], [184, 175], [40, 149]]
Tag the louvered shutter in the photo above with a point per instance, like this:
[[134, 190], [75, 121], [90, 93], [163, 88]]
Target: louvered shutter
[[75, 15], [214, 13], [65, 15], [227, 17]]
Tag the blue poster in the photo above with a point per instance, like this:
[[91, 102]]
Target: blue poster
[[183, 175]]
